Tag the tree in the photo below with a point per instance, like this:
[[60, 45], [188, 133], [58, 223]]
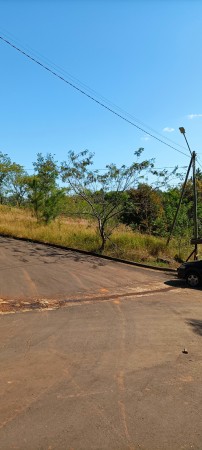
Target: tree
[[189, 197], [199, 174], [44, 195], [12, 181], [184, 221], [144, 209], [104, 193], [16, 184], [5, 167]]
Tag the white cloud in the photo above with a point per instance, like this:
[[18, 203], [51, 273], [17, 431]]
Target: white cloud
[[145, 138], [168, 129], [193, 116]]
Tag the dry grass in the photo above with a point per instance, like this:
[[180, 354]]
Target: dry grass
[[78, 233], [82, 234]]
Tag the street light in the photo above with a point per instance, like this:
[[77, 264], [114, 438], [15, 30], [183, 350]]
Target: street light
[[182, 130]]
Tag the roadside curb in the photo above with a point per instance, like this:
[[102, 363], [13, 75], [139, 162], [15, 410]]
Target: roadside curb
[[84, 252]]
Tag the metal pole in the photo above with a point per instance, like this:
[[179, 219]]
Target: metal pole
[[187, 143], [180, 201], [195, 205], [182, 130]]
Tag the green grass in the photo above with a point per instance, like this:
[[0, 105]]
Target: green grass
[[82, 234]]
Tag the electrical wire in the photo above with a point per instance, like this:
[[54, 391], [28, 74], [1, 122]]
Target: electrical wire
[[88, 95], [154, 168], [63, 71]]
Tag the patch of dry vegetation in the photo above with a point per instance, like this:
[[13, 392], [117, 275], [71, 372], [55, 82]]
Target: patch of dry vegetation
[[82, 234]]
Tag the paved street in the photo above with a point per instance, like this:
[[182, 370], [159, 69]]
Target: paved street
[[105, 372], [32, 273]]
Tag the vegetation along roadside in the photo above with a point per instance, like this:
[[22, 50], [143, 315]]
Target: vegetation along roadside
[[126, 212]]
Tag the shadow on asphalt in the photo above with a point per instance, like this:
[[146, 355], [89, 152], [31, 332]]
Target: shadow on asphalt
[[196, 325], [176, 283], [43, 251], [181, 284]]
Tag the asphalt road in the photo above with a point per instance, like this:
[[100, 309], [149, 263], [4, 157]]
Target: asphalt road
[[106, 373], [30, 273]]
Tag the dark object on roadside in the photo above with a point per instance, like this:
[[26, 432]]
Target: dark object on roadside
[[191, 272], [165, 261], [178, 259], [185, 351]]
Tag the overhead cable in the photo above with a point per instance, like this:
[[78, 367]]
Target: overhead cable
[[54, 66], [89, 96]]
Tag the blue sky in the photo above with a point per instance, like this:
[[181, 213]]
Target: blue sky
[[144, 56]]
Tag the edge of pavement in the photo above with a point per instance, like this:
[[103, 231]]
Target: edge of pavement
[[84, 252]]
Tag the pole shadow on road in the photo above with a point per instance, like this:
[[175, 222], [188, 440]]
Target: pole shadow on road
[[196, 325]]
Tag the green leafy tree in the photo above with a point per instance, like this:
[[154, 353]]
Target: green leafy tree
[[5, 168], [144, 210], [103, 193], [189, 199], [184, 221], [44, 194], [16, 185]]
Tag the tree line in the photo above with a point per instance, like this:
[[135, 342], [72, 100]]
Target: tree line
[[117, 195]]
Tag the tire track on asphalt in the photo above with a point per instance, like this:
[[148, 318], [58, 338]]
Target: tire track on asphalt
[[30, 282], [97, 409], [120, 377]]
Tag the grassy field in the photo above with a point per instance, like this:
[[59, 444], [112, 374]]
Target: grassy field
[[82, 234]]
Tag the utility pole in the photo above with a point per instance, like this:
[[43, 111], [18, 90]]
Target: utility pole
[[195, 207], [180, 201], [192, 164], [193, 160]]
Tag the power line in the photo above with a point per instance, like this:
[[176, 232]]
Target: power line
[[105, 168], [153, 168], [89, 96], [63, 71]]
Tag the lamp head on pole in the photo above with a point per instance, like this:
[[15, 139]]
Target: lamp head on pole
[[182, 130]]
